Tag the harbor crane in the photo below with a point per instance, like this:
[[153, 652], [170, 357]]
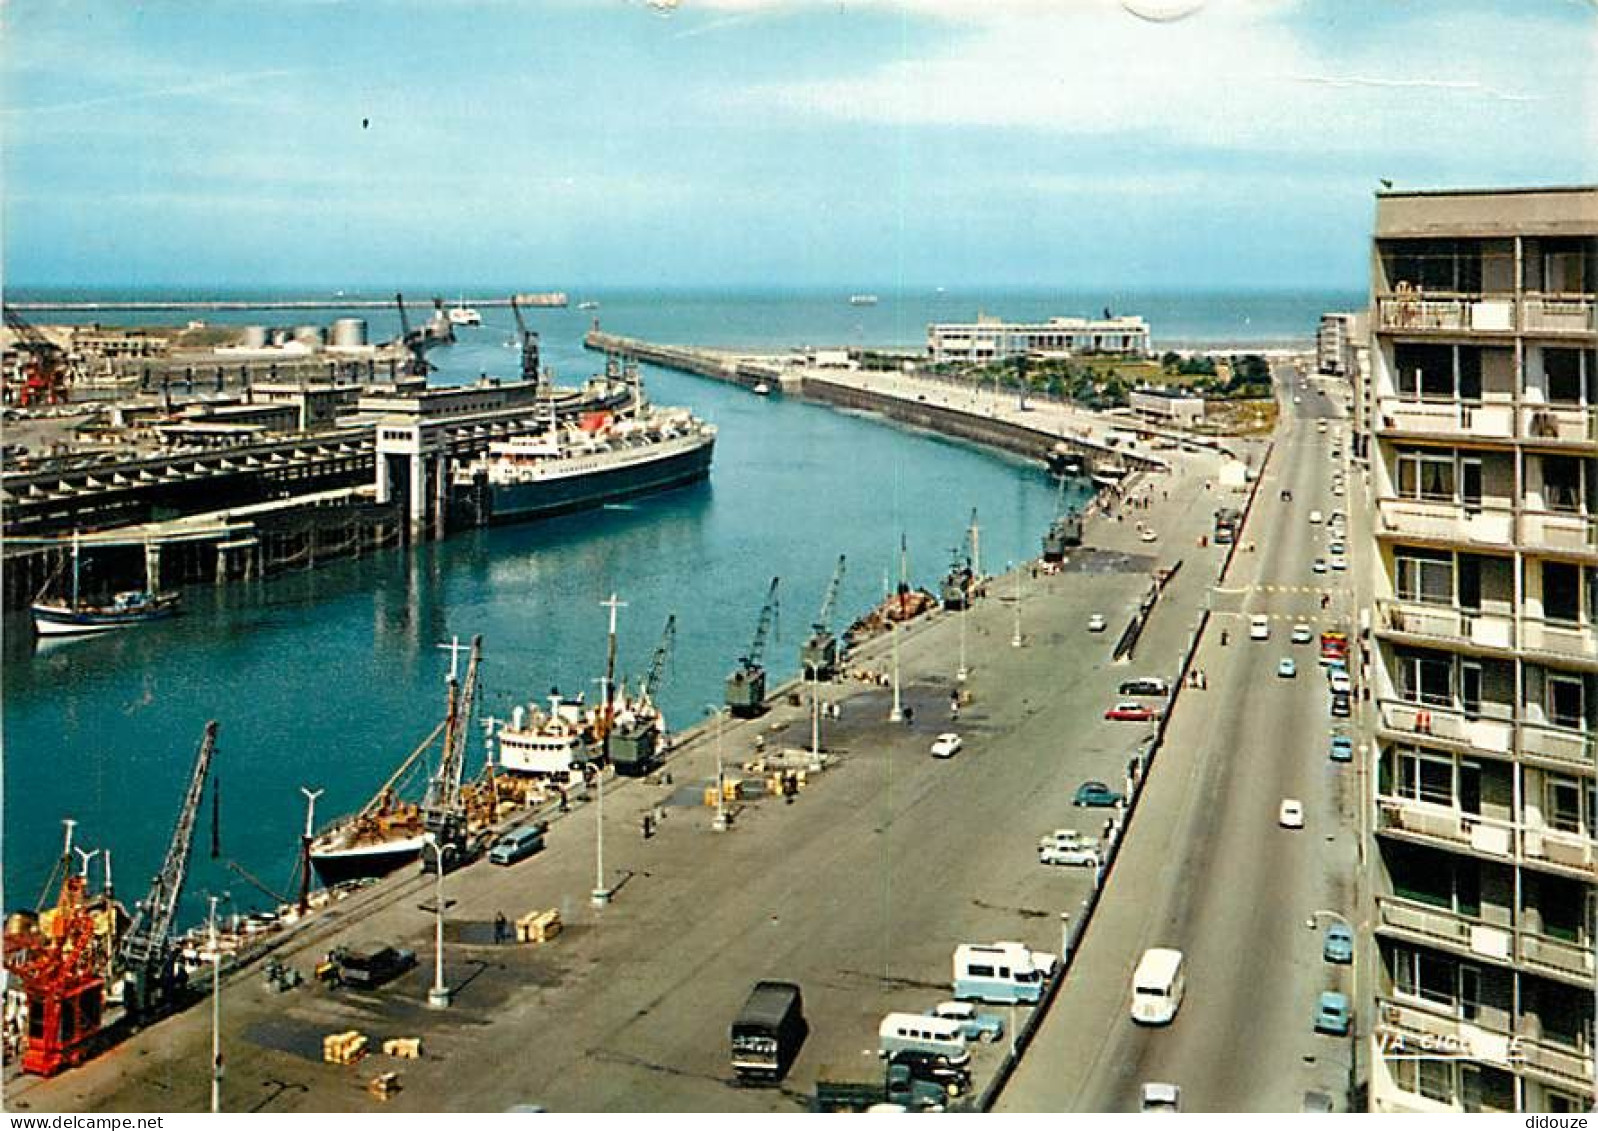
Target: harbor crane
[[147, 956], [528, 340], [45, 375], [746, 686], [57, 961], [443, 809], [635, 741], [412, 340], [818, 656]]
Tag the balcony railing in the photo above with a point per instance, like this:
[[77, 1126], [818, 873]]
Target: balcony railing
[[1560, 424], [1452, 828], [1421, 1029], [1569, 642], [1556, 956], [1487, 735], [1565, 315], [1559, 530], [1494, 314], [1491, 525], [1449, 626], [1565, 852], [1562, 747], [1451, 419]]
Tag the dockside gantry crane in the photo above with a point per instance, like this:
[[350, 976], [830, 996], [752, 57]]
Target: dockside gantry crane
[[746, 686], [818, 656], [414, 343], [635, 741], [147, 956], [528, 339], [45, 375]]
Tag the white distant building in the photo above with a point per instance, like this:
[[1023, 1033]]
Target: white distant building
[[1163, 404], [1337, 340], [988, 338]]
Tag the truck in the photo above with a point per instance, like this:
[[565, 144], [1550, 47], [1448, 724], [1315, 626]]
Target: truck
[[370, 964], [768, 1031], [897, 1085]]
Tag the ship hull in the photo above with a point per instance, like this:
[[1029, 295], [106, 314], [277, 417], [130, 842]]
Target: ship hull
[[59, 620], [365, 862], [518, 502]]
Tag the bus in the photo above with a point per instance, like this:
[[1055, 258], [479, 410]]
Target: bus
[[768, 1032], [1334, 647]]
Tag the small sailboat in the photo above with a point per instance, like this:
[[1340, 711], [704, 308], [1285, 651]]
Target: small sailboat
[[762, 390], [71, 615]]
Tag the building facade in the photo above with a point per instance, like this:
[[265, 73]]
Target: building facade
[[1336, 341], [989, 339], [1167, 405], [1482, 677]]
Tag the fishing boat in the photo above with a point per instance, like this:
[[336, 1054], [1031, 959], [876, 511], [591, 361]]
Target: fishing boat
[[462, 315], [552, 745], [588, 304], [389, 831], [762, 390], [71, 615]]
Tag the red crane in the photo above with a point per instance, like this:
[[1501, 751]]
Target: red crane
[[58, 961], [45, 373]]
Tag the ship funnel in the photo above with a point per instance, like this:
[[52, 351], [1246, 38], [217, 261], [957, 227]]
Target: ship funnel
[[517, 717]]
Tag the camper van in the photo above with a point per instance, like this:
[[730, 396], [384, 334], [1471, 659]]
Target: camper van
[[1157, 986], [918, 1033], [1001, 971]]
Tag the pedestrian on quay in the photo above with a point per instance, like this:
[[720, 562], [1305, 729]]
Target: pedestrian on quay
[[501, 927]]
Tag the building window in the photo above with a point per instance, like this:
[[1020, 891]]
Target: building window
[[1423, 776], [1562, 486], [1561, 592], [1425, 476], [1566, 701], [1562, 803], [1564, 370], [1426, 677], [1426, 576]]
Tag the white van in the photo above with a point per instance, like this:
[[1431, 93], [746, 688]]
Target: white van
[[1001, 971], [1157, 986], [915, 1032]]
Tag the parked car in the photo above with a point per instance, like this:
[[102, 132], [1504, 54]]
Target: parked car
[[1336, 546], [1147, 534], [1314, 518], [1097, 623], [1342, 748], [1145, 685], [1259, 627], [1339, 564], [519, 844], [1130, 712], [1302, 633], [1291, 813], [947, 745], [1338, 945], [1316, 1103], [1318, 565], [1065, 838], [1096, 795], [1162, 1098], [1076, 855], [1337, 678], [1332, 1014], [979, 1026], [1340, 705], [1286, 668]]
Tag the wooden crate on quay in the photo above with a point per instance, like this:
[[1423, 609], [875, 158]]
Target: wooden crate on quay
[[344, 1048], [538, 926]]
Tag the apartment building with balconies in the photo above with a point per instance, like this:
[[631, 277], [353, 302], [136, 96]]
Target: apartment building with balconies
[[1483, 651]]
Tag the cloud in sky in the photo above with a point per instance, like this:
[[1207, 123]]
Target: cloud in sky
[[973, 138]]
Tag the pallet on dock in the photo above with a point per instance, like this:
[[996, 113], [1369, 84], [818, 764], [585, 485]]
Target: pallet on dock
[[344, 1048], [538, 926], [384, 1084], [403, 1048]]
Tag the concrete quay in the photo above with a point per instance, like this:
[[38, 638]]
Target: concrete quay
[[859, 889]]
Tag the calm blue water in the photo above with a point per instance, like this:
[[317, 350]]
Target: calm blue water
[[327, 679]]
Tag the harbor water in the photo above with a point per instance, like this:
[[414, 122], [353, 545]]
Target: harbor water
[[327, 678]]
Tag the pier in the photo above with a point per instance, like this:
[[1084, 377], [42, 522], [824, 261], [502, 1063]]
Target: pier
[[1037, 430]]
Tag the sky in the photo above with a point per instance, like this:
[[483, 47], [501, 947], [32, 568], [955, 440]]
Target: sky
[[1164, 144]]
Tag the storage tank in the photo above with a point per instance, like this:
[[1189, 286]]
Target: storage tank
[[349, 332], [255, 337], [310, 335]]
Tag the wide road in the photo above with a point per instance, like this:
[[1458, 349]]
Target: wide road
[[1205, 867]]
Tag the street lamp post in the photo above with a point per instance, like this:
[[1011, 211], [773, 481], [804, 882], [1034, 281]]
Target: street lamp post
[[896, 713], [216, 1015], [962, 671], [719, 822], [438, 997], [1015, 638]]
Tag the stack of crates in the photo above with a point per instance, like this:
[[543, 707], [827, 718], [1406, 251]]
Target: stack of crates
[[403, 1048], [538, 926], [343, 1048], [384, 1085]]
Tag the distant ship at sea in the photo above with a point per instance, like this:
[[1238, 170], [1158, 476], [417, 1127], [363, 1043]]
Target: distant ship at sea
[[542, 298], [862, 300]]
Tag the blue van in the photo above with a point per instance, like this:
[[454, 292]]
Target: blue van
[[519, 844]]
